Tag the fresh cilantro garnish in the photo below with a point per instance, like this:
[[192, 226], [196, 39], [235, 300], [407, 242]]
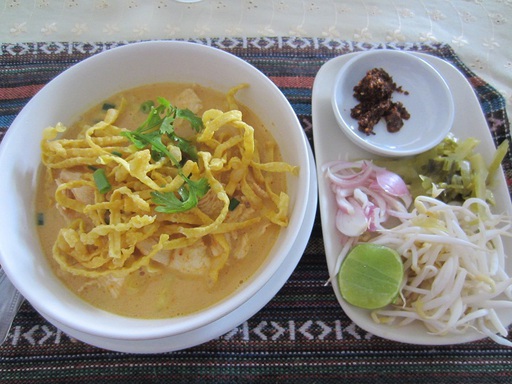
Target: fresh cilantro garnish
[[160, 121], [154, 140], [168, 202], [195, 121], [158, 125]]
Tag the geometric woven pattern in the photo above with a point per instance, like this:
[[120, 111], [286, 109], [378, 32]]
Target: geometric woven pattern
[[302, 334]]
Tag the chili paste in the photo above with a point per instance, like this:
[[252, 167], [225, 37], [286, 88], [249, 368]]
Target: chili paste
[[374, 93]]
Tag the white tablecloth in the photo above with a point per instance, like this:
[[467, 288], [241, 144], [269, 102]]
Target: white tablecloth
[[480, 31]]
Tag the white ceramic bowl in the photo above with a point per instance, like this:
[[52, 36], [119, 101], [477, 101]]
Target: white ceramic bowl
[[75, 91], [429, 103]]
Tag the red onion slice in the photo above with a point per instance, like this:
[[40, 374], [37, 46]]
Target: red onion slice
[[366, 195]]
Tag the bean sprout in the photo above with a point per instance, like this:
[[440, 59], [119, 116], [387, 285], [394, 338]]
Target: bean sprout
[[454, 261]]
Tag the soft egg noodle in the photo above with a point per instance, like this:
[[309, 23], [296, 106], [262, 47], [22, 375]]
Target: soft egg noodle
[[102, 237]]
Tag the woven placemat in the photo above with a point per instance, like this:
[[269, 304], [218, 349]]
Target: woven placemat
[[301, 335]]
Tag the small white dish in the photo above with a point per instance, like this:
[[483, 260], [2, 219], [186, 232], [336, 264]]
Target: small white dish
[[429, 102]]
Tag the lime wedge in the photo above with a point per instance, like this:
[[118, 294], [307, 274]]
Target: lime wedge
[[370, 276]]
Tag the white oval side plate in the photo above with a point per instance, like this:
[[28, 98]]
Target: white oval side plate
[[331, 144]]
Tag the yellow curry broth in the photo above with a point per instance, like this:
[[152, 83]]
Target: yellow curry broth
[[157, 291]]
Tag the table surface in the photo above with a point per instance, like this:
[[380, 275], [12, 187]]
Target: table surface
[[479, 31], [301, 334]]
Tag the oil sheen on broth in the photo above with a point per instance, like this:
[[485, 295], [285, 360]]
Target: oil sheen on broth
[[149, 292]]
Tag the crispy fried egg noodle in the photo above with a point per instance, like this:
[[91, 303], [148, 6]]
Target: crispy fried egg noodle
[[118, 232]]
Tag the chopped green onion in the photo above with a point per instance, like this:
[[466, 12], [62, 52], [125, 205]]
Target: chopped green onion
[[146, 106], [92, 167], [116, 153], [233, 203], [107, 106], [102, 183], [40, 218]]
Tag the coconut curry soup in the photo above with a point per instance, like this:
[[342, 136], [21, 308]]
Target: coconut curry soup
[[162, 200]]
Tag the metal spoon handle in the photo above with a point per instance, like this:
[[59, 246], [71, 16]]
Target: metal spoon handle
[[10, 301]]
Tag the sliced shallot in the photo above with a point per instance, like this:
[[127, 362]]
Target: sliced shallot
[[366, 195]]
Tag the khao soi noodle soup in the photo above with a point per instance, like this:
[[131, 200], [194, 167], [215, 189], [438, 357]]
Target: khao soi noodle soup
[[161, 200]]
